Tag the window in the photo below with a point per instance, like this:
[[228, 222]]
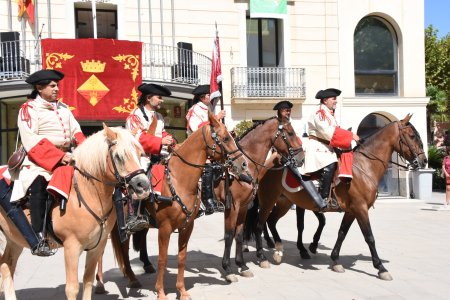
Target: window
[[262, 43], [106, 23], [375, 50]]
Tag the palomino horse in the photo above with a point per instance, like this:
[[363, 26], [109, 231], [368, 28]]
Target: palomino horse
[[355, 198], [108, 158], [183, 171], [255, 144], [280, 209]]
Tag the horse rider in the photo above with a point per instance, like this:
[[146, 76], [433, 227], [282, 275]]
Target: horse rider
[[196, 117], [155, 146], [283, 109], [325, 135], [47, 130]]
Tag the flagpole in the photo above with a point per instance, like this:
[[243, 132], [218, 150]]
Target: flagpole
[[94, 17]]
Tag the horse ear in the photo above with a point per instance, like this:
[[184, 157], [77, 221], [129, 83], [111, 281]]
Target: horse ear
[[406, 119], [109, 133], [152, 128], [212, 119]]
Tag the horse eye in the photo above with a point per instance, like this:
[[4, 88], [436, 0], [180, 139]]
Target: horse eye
[[290, 133], [118, 158], [226, 139]]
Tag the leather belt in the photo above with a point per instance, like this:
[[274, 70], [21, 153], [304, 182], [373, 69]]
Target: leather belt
[[64, 149], [323, 141]]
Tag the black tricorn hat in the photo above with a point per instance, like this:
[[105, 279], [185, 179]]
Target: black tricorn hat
[[201, 90], [282, 104], [154, 89], [328, 93], [43, 75]]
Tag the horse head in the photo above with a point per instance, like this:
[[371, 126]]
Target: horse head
[[287, 143], [224, 148], [410, 144]]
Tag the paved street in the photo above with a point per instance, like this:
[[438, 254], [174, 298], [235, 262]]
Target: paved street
[[412, 239]]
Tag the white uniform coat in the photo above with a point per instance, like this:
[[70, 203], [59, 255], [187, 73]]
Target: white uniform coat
[[197, 116]]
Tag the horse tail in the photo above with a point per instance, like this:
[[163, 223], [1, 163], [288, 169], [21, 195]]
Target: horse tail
[[251, 220], [117, 248], [137, 237]]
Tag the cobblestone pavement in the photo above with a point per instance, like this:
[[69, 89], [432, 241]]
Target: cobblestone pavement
[[412, 239]]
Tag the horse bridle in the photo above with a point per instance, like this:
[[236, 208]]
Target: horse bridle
[[415, 162], [292, 152]]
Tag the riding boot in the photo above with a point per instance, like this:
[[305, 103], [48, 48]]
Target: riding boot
[[326, 178], [207, 190], [118, 204], [310, 188], [17, 216], [38, 207], [136, 220]]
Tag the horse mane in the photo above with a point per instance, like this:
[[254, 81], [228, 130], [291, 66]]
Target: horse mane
[[91, 155], [256, 124]]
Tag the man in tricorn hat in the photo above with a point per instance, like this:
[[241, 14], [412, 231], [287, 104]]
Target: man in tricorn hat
[[47, 130], [283, 109], [324, 135], [196, 117], [155, 146]]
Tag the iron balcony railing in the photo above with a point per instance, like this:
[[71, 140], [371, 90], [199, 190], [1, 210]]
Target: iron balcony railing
[[18, 59], [254, 82]]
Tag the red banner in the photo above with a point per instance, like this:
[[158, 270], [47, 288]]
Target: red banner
[[101, 75]]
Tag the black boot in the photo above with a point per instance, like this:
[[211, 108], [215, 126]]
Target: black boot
[[207, 190], [136, 220], [325, 180], [38, 206], [310, 188], [17, 216], [118, 204]]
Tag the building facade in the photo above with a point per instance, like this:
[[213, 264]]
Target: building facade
[[373, 50]]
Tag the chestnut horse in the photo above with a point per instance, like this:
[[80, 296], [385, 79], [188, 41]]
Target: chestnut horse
[[355, 198], [183, 171], [255, 144], [108, 158]]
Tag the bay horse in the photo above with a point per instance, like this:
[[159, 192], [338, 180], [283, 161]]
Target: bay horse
[[355, 198], [107, 158], [183, 171], [255, 144]]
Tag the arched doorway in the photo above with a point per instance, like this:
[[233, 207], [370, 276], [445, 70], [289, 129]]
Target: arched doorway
[[390, 183]]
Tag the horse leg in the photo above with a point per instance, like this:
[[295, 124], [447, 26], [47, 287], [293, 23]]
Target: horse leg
[[100, 286], [183, 239], [8, 263], [347, 221], [270, 243], [281, 208], [300, 213], [143, 255], [239, 237], [164, 232], [133, 282], [72, 254], [92, 258], [230, 229], [321, 218], [364, 225]]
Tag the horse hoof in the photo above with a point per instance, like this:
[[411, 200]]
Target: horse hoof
[[264, 264], [305, 255], [247, 273], [99, 288], [338, 268], [313, 248], [385, 276], [231, 278], [278, 256], [149, 269], [134, 284], [186, 297]]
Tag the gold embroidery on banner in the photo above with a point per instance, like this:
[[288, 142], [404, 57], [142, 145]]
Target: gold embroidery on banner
[[130, 62], [129, 103], [54, 60]]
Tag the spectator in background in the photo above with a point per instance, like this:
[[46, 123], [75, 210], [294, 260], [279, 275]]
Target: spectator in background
[[446, 172]]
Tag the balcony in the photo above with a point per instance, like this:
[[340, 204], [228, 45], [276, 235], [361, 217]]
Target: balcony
[[267, 84], [18, 59]]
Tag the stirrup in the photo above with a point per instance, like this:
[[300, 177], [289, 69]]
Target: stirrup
[[43, 249], [136, 223]]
